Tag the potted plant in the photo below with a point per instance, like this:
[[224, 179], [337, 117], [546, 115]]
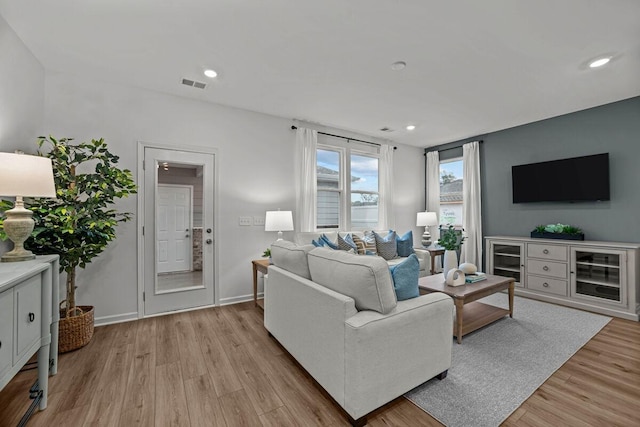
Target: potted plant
[[557, 231], [451, 240], [79, 224]]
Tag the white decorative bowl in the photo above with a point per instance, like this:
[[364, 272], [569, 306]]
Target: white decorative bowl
[[468, 268]]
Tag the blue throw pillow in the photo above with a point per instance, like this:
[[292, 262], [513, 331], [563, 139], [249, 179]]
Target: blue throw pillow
[[405, 244], [386, 247], [405, 277], [318, 244], [328, 242]]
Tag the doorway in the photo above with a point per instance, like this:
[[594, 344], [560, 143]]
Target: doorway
[[177, 232]]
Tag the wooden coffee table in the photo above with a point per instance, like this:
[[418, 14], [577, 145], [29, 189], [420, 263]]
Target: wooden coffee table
[[471, 315]]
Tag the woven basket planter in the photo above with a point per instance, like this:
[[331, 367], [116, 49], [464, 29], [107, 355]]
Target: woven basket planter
[[75, 331]]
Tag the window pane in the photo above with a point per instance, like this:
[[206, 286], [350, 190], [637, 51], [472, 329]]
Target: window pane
[[328, 177], [451, 192], [364, 192], [364, 211], [328, 207], [328, 169]]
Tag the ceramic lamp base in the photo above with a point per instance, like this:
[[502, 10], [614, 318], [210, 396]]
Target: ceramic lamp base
[[426, 238], [18, 226]]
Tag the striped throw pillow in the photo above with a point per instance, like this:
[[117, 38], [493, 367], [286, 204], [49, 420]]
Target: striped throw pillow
[[360, 245]]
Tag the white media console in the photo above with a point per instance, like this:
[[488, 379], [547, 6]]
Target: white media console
[[595, 276]]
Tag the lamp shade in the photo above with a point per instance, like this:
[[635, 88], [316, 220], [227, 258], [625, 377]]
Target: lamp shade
[[26, 176], [278, 221], [426, 219]]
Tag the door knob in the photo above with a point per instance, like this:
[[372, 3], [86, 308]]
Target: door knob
[[208, 230], [209, 241], [186, 235]]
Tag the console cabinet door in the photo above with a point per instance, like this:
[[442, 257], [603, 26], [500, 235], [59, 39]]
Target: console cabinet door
[[6, 330], [28, 297], [506, 259], [599, 275]]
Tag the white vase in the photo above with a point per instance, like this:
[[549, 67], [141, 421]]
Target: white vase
[[450, 261]]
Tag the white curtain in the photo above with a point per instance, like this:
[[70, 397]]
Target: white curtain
[[433, 190], [385, 206], [471, 205], [306, 185]]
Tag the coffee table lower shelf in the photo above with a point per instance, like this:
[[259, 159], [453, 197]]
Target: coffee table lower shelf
[[477, 315]]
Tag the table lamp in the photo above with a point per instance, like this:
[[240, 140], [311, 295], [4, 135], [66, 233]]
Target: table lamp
[[278, 221], [22, 175], [426, 220]]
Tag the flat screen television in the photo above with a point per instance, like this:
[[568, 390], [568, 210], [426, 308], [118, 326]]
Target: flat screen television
[[567, 180]]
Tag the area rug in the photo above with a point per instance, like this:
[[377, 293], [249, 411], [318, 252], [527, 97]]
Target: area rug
[[498, 367]]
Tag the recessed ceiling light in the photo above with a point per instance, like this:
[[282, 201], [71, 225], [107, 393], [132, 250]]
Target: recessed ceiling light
[[411, 127], [599, 62], [210, 73], [399, 65]]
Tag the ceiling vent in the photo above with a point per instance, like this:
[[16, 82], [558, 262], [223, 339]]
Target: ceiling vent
[[386, 129], [193, 83]]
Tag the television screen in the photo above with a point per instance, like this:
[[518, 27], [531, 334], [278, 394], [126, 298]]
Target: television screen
[[568, 180]]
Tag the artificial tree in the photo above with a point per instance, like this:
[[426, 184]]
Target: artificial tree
[[79, 224]]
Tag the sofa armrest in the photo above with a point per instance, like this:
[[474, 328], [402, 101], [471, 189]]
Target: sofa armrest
[[424, 257], [388, 355]]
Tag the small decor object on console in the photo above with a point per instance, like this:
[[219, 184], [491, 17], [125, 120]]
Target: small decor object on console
[[455, 277], [557, 231], [468, 268]]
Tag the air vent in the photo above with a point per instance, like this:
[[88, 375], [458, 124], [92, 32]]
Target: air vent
[[386, 129], [192, 83]]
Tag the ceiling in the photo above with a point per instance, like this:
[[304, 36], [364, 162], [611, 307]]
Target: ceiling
[[472, 66]]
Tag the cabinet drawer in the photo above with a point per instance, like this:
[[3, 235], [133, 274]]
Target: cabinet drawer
[[6, 330], [547, 268], [28, 311], [545, 284], [553, 252]]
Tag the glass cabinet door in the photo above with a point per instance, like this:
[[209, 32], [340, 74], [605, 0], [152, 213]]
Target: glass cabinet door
[[506, 260], [597, 274]]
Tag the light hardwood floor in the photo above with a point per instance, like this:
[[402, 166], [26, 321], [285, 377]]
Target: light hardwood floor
[[218, 367]]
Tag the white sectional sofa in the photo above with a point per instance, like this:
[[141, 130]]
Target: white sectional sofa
[[304, 238], [336, 313]]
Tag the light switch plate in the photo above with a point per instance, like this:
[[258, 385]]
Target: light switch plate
[[244, 220], [258, 220]]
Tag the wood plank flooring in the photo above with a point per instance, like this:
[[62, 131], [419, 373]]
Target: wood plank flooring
[[218, 367]]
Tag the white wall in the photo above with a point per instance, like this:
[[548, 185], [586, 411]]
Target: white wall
[[21, 96]]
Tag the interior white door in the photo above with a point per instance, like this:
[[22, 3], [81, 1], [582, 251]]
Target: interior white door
[[167, 224], [173, 228]]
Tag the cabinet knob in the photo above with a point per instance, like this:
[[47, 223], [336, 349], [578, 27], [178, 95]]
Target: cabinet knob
[[545, 268], [546, 251], [208, 241], [545, 284], [32, 317]]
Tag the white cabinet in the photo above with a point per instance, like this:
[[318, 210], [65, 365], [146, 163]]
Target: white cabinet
[[29, 318], [595, 276]]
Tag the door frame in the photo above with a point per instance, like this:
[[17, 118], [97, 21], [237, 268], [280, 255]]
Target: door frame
[[142, 145]]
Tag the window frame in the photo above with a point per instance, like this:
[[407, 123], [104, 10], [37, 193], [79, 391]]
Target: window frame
[[344, 187], [441, 162]]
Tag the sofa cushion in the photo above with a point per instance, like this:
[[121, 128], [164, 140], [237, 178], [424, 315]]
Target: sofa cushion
[[404, 244], [365, 279], [291, 257], [386, 247], [405, 277]]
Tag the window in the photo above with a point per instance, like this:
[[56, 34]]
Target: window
[[346, 203], [451, 192]]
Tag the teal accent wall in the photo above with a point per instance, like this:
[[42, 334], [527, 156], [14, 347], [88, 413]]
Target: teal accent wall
[[612, 128]]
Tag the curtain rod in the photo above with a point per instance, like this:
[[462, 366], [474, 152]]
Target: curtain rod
[[294, 127], [480, 141]]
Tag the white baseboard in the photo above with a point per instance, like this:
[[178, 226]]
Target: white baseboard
[[116, 318], [239, 299]]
